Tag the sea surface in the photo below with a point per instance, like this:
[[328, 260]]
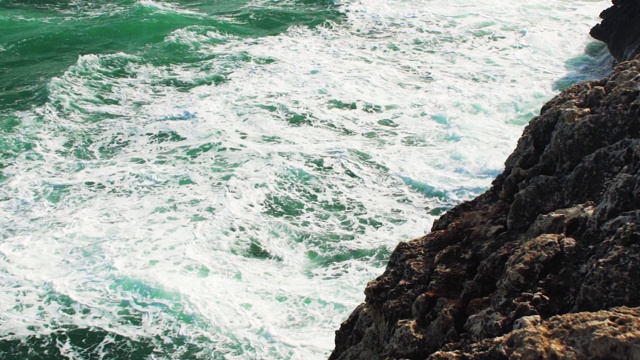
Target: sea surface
[[219, 179]]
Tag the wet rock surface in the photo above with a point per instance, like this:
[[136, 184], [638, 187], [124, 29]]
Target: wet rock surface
[[545, 264]]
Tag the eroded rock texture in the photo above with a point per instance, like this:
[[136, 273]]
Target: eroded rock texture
[[538, 266], [613, 334]]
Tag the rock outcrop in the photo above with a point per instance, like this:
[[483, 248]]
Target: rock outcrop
[[545, 264], [620, 29], [613, 334]]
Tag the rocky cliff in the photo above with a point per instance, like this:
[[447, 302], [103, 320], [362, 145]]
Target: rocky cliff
[[620, 29], [546, 263]]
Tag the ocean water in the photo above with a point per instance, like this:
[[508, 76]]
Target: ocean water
[[219, 179]]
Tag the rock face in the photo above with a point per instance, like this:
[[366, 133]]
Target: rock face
[[620, 29], [545, 264], [613, 334]]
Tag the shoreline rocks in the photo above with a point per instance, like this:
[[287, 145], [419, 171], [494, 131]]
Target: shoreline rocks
[[620, 29], [546, 263]]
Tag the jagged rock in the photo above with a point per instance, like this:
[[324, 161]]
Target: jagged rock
[[613, 334], [620, 29], [536, 266]]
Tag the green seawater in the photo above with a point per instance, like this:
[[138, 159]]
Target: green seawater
[[219, 179], [40, 40]]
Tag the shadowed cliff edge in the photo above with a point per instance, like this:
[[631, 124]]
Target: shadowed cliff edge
[[546, 263]]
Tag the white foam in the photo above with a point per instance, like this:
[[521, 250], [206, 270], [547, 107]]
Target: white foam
[[439, 90]]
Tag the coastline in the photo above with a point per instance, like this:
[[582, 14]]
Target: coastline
[[546, 263]]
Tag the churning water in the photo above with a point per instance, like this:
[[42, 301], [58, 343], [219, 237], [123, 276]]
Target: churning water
[[220, 178]]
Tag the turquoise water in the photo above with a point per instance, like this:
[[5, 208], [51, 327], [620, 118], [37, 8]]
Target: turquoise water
[[220, 179]]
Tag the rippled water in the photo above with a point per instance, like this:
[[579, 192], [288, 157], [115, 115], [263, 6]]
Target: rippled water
[[220, 179]]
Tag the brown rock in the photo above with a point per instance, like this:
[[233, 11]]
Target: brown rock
[[613, 334], [538, 266]]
